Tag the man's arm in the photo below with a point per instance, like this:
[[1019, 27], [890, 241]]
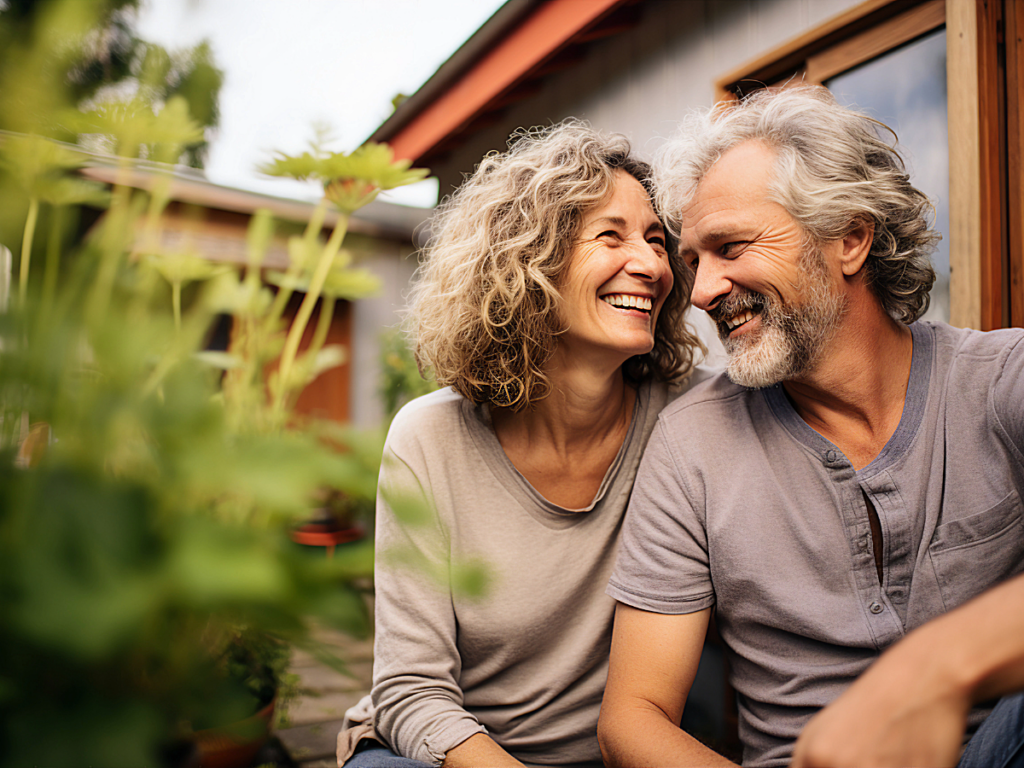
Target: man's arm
[[911, 706], [653, 663]]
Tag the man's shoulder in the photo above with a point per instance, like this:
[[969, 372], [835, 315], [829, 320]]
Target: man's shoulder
[[967, 341], [706, 398], [964, 354]]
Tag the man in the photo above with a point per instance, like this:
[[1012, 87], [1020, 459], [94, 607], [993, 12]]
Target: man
[[847, 498]]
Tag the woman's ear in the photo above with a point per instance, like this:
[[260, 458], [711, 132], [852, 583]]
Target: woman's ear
[[856, 247]]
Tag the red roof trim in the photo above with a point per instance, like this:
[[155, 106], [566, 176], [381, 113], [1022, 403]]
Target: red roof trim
[[543, 33]]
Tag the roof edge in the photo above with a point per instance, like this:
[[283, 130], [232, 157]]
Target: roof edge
[[507, 17]]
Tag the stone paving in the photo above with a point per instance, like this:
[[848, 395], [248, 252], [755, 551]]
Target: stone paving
[[314, 719]]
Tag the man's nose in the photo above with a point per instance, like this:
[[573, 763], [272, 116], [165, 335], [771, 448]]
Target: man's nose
[[710, 284]]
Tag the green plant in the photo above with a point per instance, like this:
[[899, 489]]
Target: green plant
[[146, 486], [401, 380]]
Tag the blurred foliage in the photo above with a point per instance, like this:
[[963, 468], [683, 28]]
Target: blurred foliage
[[401, 380], [350, 180], [148, 586], [92, 56]]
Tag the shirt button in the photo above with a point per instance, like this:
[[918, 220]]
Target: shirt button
[[830, 456], [876, 607], [863, 542]]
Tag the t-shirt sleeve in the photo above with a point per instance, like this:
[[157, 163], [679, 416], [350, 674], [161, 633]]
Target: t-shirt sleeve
[[662, 565], [417, 666], [1008, 395]]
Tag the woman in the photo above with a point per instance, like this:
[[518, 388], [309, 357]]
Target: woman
[[550, 306]]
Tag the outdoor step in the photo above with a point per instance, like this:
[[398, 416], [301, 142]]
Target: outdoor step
[[316, 741]]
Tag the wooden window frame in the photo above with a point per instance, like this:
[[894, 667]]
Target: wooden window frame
[[985, 73]]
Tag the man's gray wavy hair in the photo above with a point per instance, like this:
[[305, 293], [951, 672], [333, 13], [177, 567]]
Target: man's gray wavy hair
[[832, 171], [484, 310]]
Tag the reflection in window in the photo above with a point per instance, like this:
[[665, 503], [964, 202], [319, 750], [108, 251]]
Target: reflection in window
[[906, 90]]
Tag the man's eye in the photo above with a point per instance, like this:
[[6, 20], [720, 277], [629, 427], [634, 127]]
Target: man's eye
[[730, 249]]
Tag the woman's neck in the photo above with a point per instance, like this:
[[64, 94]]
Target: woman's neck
[[580, 407], [564, 444]]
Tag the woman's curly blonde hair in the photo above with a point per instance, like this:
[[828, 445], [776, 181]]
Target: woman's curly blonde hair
[[484, 310]]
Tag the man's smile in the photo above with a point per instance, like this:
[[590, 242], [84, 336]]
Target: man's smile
[[736, 311], [737, 320]]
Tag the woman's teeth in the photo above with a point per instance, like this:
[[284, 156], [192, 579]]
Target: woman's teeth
[[626, 301], [737, 320]]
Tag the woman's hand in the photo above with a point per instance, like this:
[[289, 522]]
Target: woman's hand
[[479, 749]]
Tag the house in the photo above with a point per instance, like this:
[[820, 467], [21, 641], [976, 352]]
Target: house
[[945, 73], [212, 220]]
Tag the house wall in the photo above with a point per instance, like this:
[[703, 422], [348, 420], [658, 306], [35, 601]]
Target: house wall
[[394, 263], [348, 393], [642, 82]]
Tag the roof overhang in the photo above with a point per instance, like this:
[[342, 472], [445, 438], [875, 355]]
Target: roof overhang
[[378, 219], [502, 63]]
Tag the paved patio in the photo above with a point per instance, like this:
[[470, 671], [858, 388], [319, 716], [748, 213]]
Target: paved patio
[[314, 719]]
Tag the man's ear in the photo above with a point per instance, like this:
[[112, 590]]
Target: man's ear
[[856, 247]]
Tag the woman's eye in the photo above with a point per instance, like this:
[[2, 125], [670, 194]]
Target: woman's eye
[[657, 240]]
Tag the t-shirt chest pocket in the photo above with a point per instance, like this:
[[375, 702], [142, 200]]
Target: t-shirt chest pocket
[[979, 551]]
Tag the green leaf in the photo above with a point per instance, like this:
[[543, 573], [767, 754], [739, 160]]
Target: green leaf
[[185, 267], [352, 284], [350, 180]]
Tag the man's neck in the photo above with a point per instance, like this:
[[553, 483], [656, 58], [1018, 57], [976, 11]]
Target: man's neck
[[855, 394]]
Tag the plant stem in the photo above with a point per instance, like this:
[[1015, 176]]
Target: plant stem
[[323, 267], [176, 303], [323, 325], [117, 230], [52, 259], [316, 223], [26, 248]]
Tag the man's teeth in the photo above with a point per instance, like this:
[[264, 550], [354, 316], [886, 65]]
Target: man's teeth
[[738, 320], [626, 301]]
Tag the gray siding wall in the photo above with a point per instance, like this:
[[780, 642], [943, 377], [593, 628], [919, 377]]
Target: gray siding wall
[[394, 264], [642, 82]]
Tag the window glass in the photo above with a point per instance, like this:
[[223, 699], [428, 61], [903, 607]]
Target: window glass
[[906, 90]]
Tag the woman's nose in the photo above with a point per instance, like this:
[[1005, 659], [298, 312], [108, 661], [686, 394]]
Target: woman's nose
[[647, 262]]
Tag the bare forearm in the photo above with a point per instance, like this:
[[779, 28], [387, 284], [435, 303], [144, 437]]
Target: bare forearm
[[641, 734], [981, 644], [479, 749], [911, 706]]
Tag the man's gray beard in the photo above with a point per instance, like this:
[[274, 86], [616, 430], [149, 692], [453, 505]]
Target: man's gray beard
[[791, 339]]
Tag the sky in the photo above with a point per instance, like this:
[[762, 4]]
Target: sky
[[292, 64]]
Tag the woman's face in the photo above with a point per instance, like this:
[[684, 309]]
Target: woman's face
[[618, 278]]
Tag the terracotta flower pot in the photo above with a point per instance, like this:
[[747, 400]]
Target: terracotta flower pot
[[235, 745]]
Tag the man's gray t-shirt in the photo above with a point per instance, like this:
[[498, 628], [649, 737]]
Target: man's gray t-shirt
[[740, 505]]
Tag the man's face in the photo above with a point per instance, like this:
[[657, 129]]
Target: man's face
[[772, 295]]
